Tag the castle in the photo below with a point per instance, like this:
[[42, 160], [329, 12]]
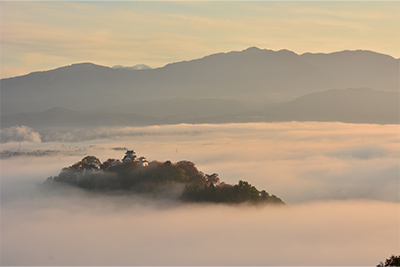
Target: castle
[[130, 156]]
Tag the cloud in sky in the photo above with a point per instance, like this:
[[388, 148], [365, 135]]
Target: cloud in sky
[[42, 35]]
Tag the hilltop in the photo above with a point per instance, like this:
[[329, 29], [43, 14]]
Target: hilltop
[[181, 180]]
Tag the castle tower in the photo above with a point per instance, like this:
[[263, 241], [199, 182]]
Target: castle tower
[[130, 155]]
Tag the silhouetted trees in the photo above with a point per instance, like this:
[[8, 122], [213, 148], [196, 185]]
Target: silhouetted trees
[[91, 174], [87, 163], [242, 192], [392, 261]]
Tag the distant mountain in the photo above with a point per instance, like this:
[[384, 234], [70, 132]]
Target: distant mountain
[[64, 118], [149, 112], [351, 105], [253, 75], [136, 67], [346, 105], [182, 106]]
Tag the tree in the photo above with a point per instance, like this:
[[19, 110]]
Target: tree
[[192, 172], [264, 196], [392, 261], [92, 161], [246, 192], [87, 163], [109, 164]]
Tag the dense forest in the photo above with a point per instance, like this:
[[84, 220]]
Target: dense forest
[[139, 176]]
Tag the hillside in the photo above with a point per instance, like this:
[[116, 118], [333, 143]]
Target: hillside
[[181, 181], [65, 118], [361, 105], [351, 105], [253, 75]]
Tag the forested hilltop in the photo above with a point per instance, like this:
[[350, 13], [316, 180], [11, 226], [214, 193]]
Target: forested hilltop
[[136, 175]]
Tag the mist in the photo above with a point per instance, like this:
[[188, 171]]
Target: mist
[[98, 231], [19, 134], [340, 182]]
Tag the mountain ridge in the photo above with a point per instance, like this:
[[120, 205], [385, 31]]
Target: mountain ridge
[[252, 75], [252, 48]]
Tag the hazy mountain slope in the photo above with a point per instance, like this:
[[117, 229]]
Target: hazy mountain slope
[[252, 75], [152, 112], [59, 117], [349, 105], [359, 68], [79, 86], [189, 107]]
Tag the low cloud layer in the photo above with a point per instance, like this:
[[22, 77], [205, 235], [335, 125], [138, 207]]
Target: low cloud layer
[[19, 134], [340, 181], [81, 229], [297, 161], [80, 135]]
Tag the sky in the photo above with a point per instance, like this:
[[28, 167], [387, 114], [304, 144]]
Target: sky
[[339, 180], [42, 35]]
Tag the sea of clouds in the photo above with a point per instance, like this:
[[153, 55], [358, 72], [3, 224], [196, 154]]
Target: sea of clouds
[[340, 181]]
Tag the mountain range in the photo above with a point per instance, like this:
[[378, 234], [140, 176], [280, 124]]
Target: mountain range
[[136, 67], [331, 105], [253, 84]]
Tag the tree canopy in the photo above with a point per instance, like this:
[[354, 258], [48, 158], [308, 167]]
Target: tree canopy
[[92, 174], [392, 261]]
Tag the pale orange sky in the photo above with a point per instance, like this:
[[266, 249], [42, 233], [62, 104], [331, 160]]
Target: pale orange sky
[[41, 35]]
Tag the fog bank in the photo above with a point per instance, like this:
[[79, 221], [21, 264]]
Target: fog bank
[[341, 182], [116, 231], [19, 134]]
